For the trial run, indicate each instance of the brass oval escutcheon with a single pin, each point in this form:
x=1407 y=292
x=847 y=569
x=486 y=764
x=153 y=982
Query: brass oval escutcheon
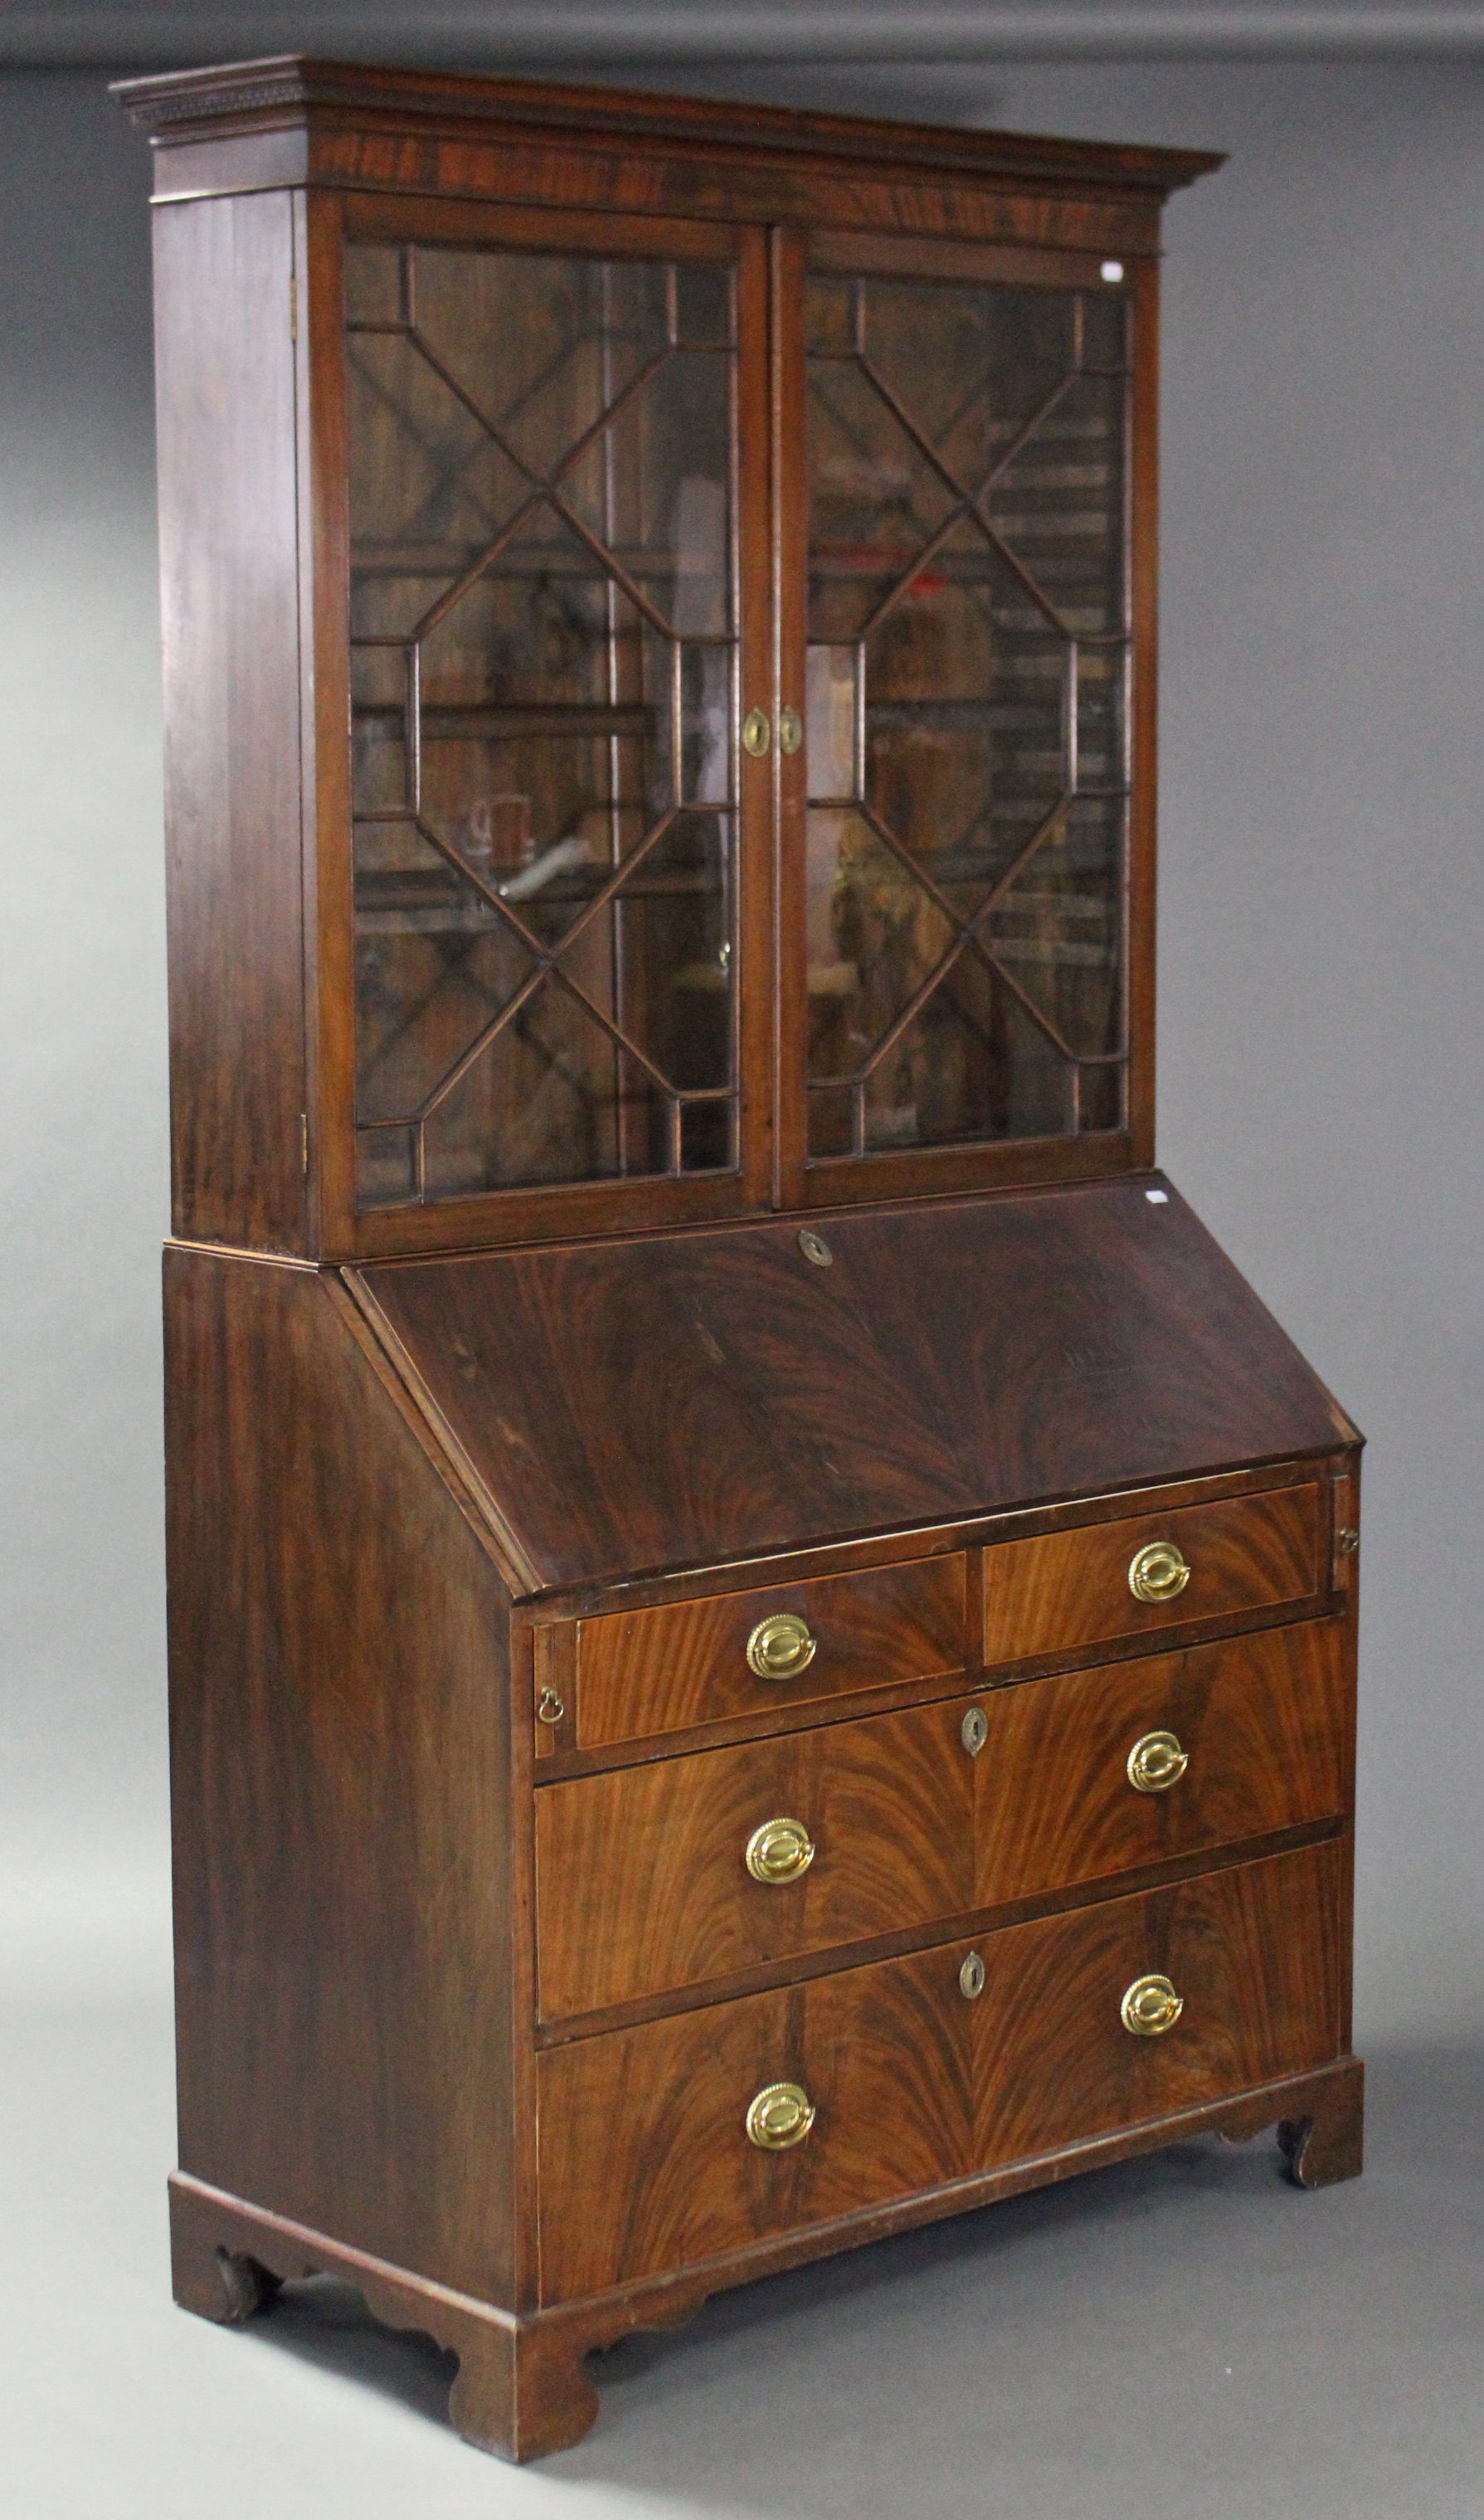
x=971 y=1978
x=549 y=1707
x=791 y=730
x=1159 y=1572
x=778 y=1851
x=757 y=733
x=781 y=2114
x=780 y=1647
x=1156 y=1762
x=974 y=1732
x=1151 y=2006
x=814 y=1247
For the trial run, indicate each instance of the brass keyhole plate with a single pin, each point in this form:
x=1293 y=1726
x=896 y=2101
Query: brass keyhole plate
x=974 y=1732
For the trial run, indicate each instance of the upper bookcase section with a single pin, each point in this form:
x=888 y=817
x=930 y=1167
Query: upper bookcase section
x=660 y=636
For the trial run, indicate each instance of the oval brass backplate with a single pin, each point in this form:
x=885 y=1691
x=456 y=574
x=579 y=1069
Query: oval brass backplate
x=1156 y=1762
x=814 y=1247
x=791 y=730
x=778 y=1851
x=1159 y=1572
x=780 y=1647
x=780 y=2115
x=971 y=1978
x=974 y=1732
x=757 y=734
x=1151 y=2006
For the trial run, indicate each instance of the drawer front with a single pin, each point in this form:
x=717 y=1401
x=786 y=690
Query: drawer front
x=644 y=2158
x=657 y=1671
x=1073 y=1588
x=642 y=1877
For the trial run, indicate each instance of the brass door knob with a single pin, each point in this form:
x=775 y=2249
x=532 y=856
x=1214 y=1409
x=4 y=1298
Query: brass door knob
x=1151 y=2006
x=1159 y=1572
x=780 y=1648
x=1156 y=1762
x=791 y=730
x=780 y=2115
x=757 y=733
x=778 y=1851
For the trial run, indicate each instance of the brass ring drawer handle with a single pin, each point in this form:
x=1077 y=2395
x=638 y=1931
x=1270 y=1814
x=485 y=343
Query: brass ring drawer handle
x=780 y=1647
x=1151 y=2006
x=1159 y=1572
x=781 y=2115
x=778 y=1851
x=1156 y=1762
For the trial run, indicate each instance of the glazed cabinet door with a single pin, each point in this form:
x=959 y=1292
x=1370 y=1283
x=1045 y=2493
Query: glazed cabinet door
x=537 y=968
x=968 y=629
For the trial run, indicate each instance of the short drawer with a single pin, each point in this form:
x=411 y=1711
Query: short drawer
x=645 y=2158
x=662 y=1876
x=745 y=1653
x=1110 y=1580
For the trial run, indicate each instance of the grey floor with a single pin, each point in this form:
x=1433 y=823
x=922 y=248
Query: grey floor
x=1182 y=2336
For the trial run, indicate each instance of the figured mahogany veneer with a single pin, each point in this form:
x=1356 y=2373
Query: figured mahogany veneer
x=657 y=1671
x=694 y=1400
x=1071 y=1587
x=912 y=2084
x=541 y=1320
x=907 y=1826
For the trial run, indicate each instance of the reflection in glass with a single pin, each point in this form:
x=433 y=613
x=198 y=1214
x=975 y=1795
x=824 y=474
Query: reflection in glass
x=967 y=712
x=543 y=630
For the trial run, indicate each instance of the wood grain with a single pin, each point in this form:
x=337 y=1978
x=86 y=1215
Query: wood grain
x=649 y=1404
x=655 y=1671
x=913 y=2086
x=909 y=1829
x=554 y=2401
x=229 y=601
x=1070 y=1589
x=666 y=1899
x=339 y=1768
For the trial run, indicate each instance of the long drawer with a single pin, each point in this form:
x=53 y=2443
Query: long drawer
x=1104 y=1582
x=890 y=1821
x=895 y=2080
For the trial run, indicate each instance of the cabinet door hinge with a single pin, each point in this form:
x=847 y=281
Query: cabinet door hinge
x=304 y=1144
x=293 y=310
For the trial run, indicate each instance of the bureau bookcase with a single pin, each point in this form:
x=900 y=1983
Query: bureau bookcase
x=762 y=1628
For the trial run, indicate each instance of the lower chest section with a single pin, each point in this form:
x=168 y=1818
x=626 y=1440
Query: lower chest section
x=849 y=1891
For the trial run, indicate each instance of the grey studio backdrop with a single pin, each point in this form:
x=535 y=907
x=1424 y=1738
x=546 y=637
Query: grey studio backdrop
x=1321 y=904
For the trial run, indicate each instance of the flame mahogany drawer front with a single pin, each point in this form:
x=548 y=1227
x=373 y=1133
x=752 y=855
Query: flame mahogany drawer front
x=913 y=2083
x=749 y=1653
x=733 y=1858
x=1104 y=1582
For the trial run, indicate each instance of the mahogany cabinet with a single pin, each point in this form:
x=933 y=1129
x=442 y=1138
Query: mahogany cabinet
x=762 y=1630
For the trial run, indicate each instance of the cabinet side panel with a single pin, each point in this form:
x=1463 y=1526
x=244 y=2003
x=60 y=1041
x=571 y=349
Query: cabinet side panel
x=341 y=1781
x=225 y=393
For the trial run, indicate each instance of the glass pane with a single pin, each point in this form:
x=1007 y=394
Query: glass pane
x=543 y=686
x=966 y=712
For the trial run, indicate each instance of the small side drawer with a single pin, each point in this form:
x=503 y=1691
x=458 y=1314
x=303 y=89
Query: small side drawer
x=890 y=1822
x=646 y=2162
x=658 y=1671
x=1074 y=1589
